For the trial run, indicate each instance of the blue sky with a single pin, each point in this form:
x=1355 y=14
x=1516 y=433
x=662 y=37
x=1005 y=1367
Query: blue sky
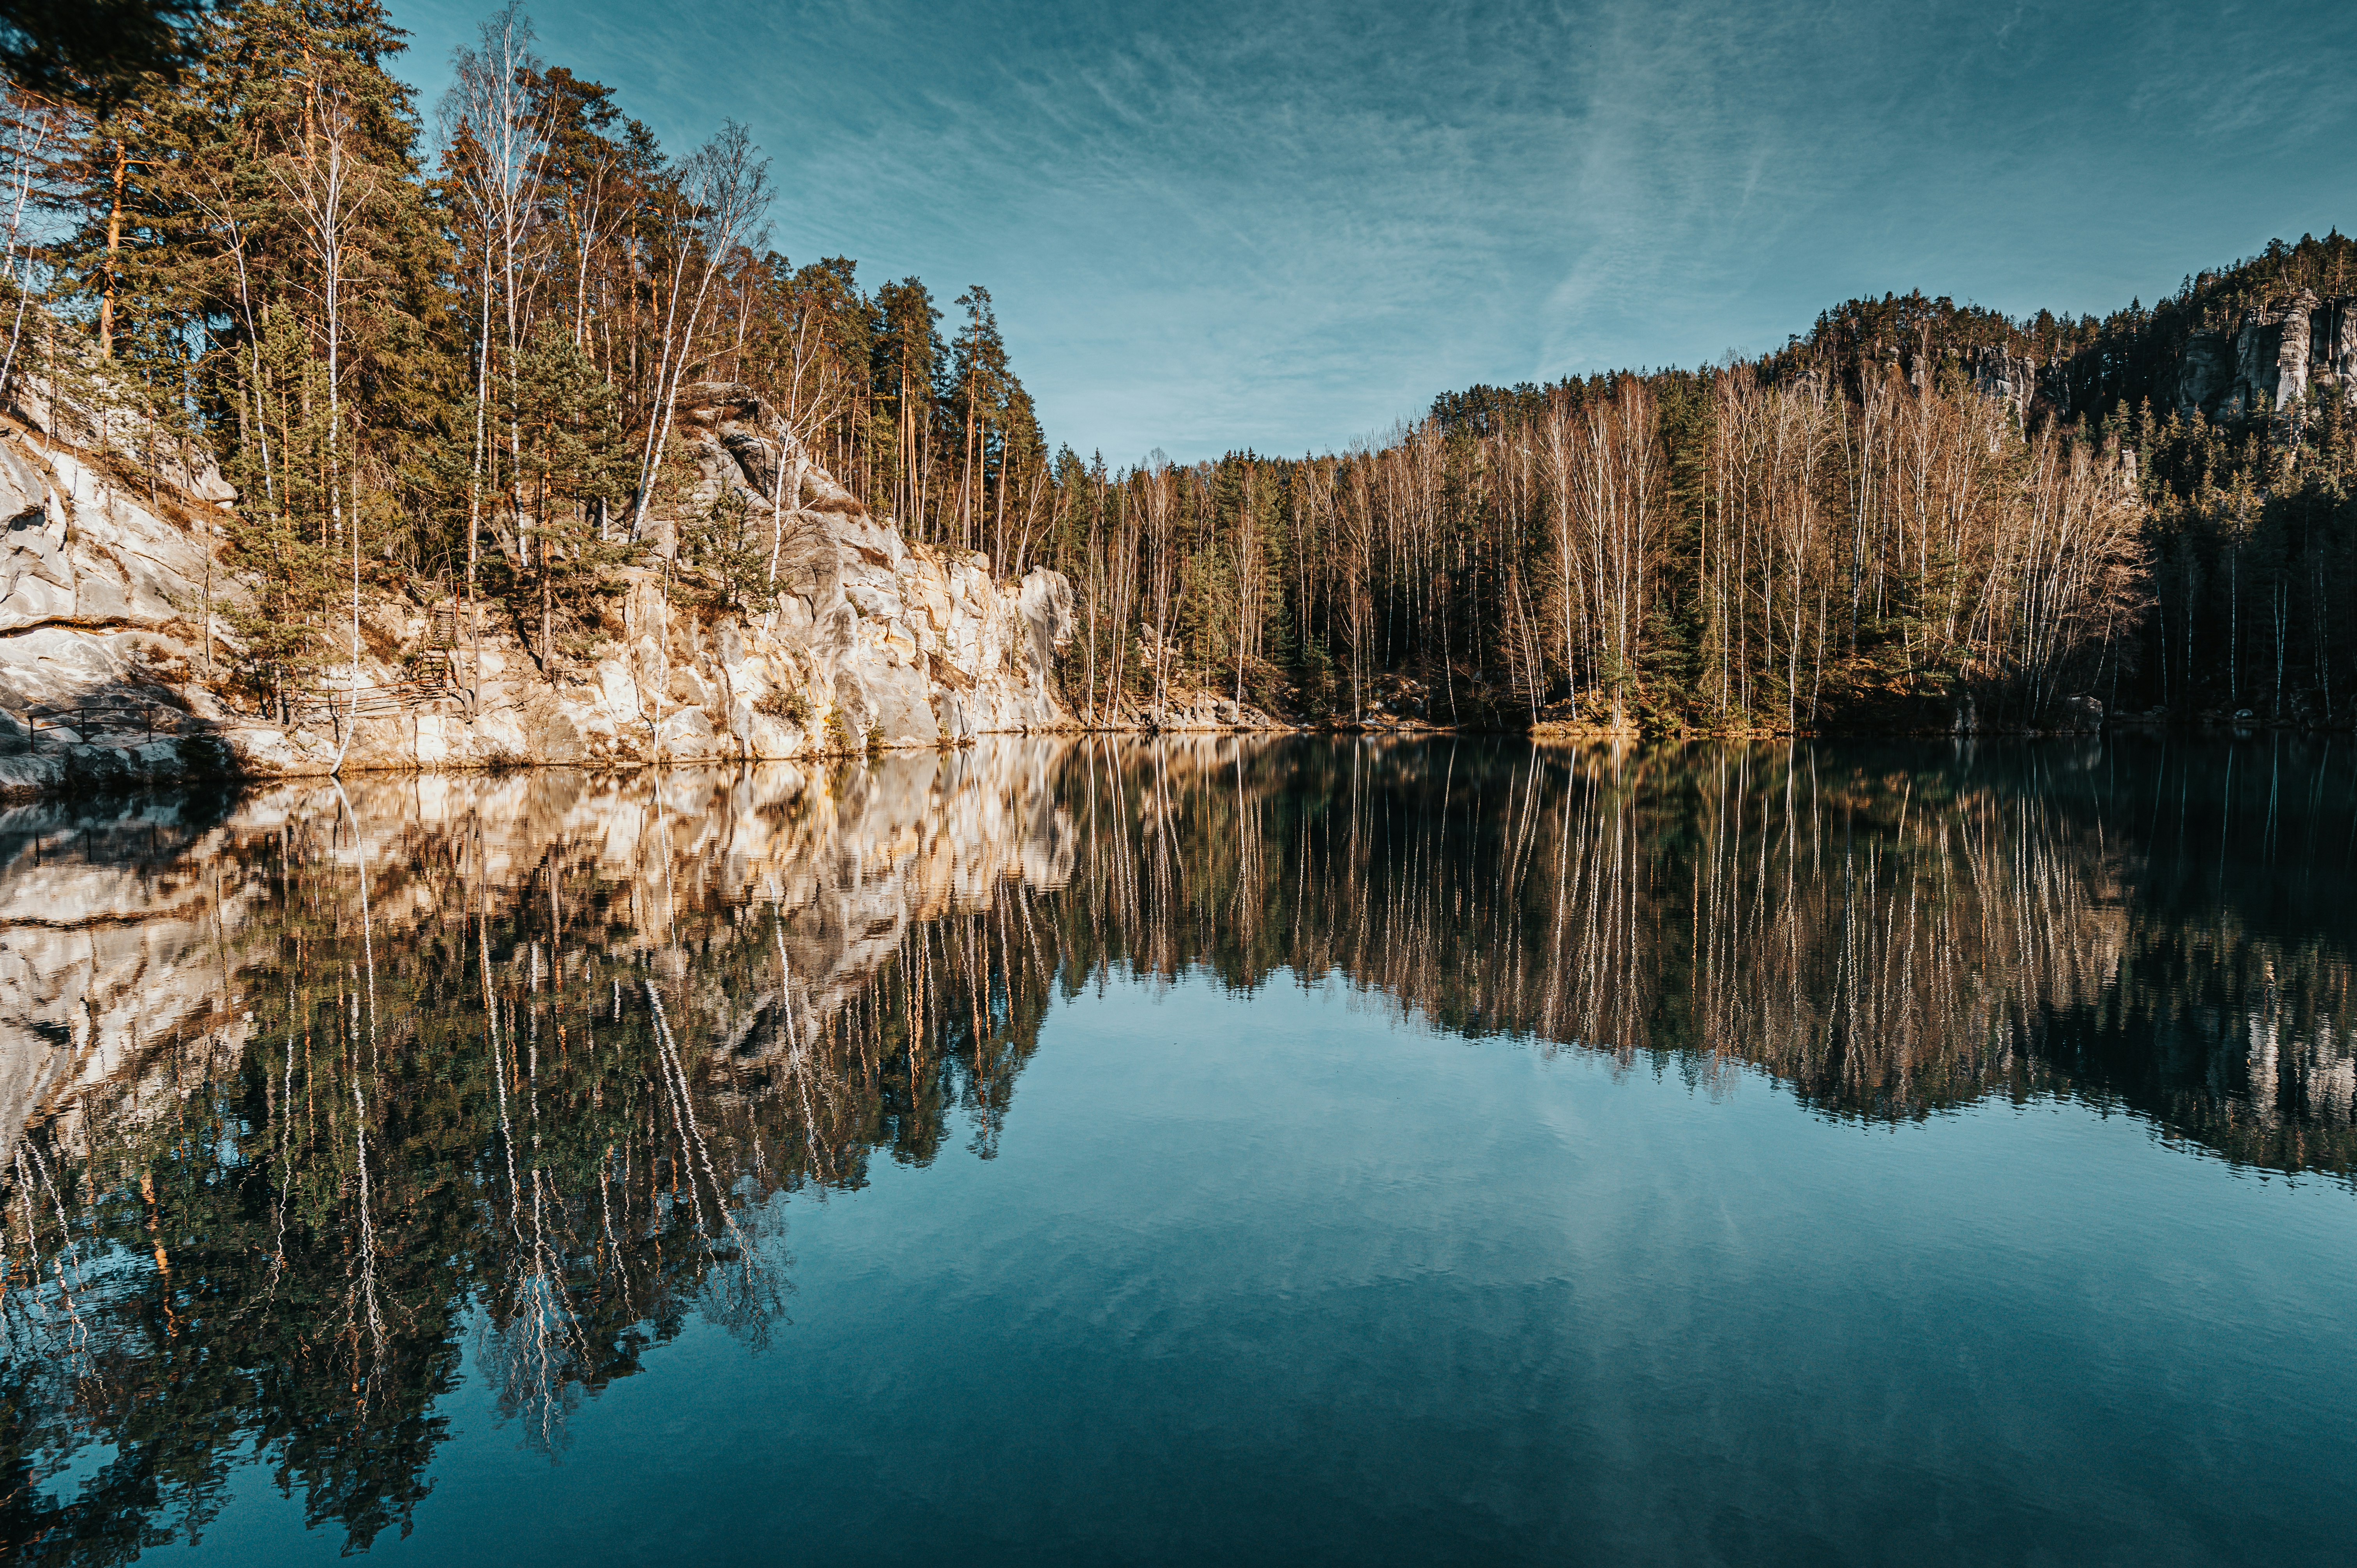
x=1285 y=226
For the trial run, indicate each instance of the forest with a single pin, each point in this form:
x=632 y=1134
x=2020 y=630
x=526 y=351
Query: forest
x=438 y=348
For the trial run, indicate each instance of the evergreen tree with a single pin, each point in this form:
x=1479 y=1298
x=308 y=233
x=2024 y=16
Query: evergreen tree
x=573 y=479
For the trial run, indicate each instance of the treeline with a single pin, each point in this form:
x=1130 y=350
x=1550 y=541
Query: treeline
x=1919 y=514
x=445 y=361
x=1723 y=549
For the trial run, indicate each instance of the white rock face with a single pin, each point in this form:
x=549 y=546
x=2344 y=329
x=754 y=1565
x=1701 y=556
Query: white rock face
x=2277 y=352
x=874 y=643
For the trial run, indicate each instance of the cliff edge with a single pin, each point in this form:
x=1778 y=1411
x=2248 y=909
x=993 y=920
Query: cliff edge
x=116 y=656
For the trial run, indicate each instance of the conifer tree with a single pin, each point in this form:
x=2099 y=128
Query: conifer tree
x=574 y=473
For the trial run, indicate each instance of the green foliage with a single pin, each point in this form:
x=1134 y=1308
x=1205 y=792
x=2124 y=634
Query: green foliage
x=571 y=472
x=96 y=52
x=504 y=333
x=2255 y=541
x=731 y=552
x=793 y=707
x=288 y=539
x=574 y=457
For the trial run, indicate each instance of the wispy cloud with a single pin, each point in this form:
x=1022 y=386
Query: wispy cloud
x=1285 y=226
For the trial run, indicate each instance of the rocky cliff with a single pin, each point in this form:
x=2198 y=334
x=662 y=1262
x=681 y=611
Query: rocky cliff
x=114 y=654
x=2273 y=357
x=2276 y=354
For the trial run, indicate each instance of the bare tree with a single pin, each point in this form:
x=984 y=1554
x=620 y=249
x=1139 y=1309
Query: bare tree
x=331 y=187
x=1157 y=495
x=495 y=144
x=715 y=205
x=28 y=127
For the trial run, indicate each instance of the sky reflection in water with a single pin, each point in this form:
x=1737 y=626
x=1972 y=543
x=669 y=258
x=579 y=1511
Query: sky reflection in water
x=1293 y=1152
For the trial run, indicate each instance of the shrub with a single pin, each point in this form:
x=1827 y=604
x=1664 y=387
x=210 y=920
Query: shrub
x=838 y=734
x=791 y=707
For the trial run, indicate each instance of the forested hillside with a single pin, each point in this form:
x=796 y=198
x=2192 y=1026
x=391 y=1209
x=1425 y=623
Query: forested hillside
x=439 y=348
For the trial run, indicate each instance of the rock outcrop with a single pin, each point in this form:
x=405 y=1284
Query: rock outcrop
x=113 y=649
x=2014 y=379
x=2274 y=357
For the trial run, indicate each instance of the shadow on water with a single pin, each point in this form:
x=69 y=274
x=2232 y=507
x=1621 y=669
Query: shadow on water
x=308 y=1093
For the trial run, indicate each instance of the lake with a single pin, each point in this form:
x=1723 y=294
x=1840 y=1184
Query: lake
x=1259 y=1150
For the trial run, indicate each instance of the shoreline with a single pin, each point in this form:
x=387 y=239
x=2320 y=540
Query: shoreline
x=95 y=768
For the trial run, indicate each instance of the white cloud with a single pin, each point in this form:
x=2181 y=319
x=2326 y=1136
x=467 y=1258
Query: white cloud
x=1284 y=227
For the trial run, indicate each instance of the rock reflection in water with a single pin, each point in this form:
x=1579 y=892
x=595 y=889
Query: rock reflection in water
x=310 y=1084
x=302 y=1091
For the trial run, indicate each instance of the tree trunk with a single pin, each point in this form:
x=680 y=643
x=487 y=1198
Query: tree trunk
x=114 y=247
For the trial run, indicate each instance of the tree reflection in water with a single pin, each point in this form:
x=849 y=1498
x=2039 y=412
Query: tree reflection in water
x=304 y=1090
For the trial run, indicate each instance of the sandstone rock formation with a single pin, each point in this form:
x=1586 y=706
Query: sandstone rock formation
x=2275 y=355
x=2013 y=380
x=100 y=594
x=112 y=648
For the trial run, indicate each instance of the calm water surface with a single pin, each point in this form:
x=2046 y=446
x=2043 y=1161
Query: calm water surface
x=1287 y=1153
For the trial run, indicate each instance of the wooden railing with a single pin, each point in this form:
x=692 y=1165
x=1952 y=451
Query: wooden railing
x=79 y=719
x=435 y=683
x=448 y=626
x=437 y=680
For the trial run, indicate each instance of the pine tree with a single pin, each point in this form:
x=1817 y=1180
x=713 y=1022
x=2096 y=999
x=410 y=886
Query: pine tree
x=574 y=476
